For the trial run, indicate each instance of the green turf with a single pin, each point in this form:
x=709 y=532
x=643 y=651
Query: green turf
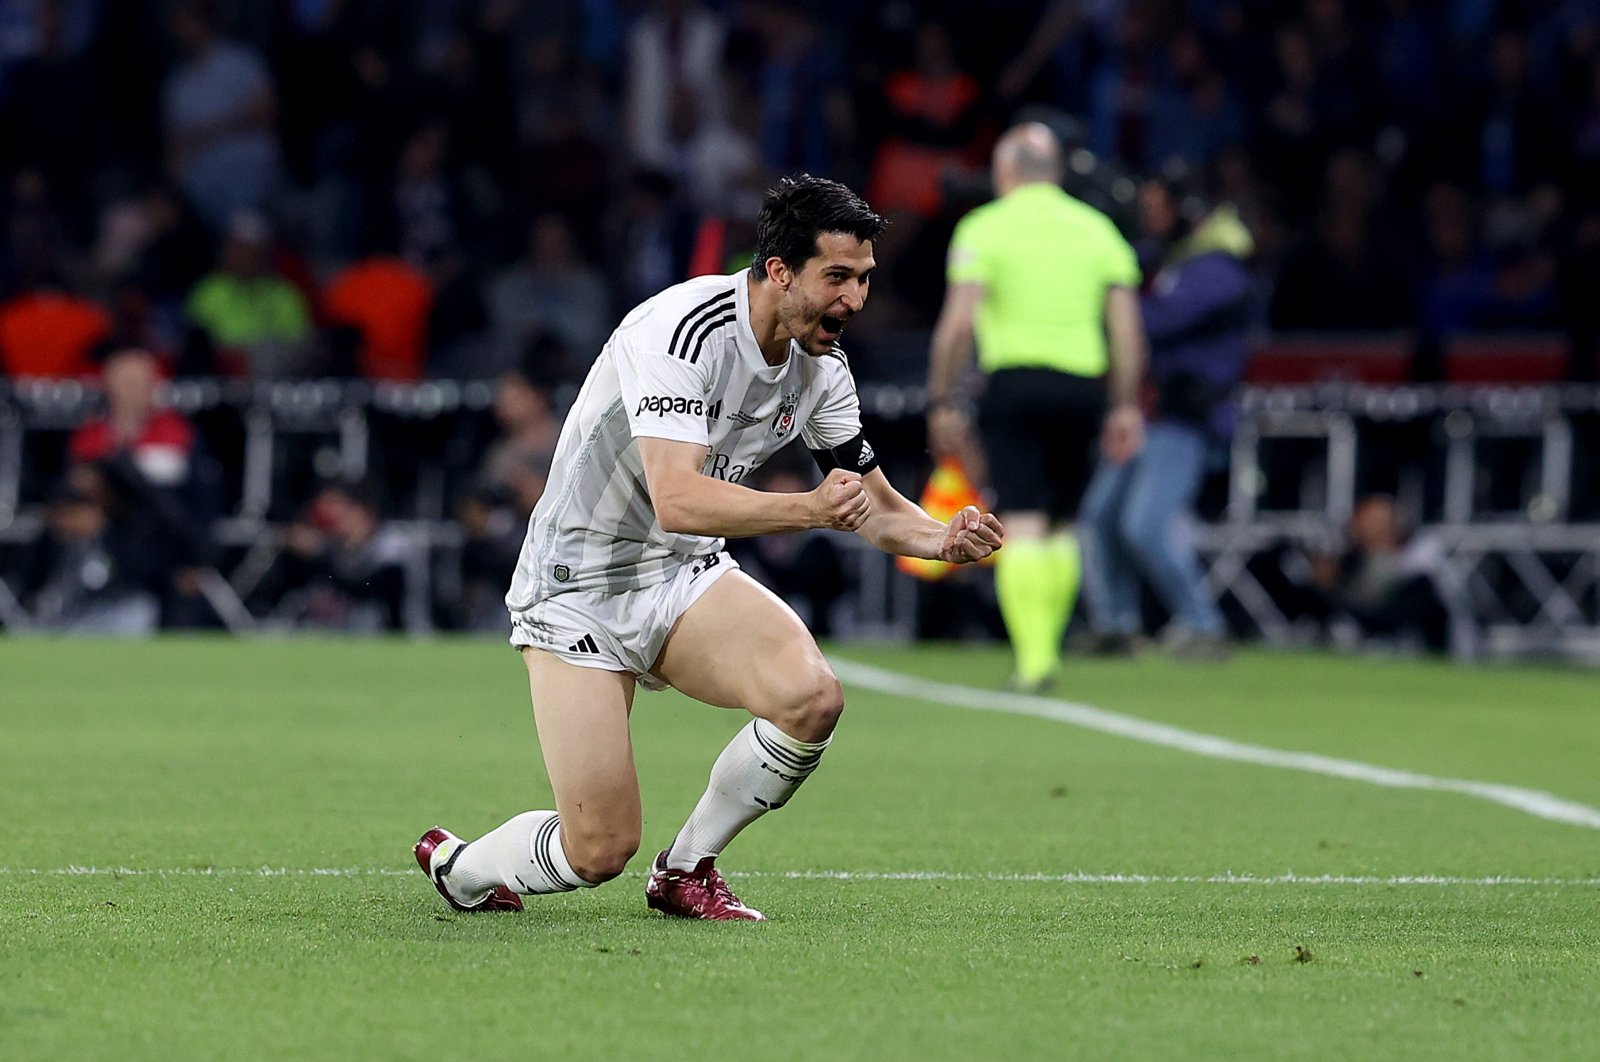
x=221 y=756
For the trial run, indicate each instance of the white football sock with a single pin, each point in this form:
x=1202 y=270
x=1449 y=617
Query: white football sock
x=757 y=773
x=524 y=855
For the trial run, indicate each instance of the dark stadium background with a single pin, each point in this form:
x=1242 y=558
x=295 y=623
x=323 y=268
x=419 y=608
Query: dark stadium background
x=450 y=192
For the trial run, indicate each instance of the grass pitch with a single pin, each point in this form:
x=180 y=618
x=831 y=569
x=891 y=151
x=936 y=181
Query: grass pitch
x=247 y=811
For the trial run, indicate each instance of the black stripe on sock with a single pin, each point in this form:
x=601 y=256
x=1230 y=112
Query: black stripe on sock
x=541 y=854
x=551 y=830
x=793 y=760
x=794 y=754
x=713 y=306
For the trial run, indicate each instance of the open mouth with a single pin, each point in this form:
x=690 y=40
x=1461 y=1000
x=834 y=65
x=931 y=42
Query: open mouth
x=830 y=328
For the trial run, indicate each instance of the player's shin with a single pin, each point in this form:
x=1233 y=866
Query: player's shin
x=758 y=772
x=525 y=855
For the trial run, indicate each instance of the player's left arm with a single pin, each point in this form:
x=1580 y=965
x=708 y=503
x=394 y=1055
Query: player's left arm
x=898 y=525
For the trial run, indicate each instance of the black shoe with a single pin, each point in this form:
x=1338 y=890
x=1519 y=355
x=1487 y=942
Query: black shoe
x=1184 y=643
x=1113 y=643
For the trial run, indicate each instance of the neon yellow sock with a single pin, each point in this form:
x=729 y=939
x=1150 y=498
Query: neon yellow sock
x=1066 y=559
x=1026 y=579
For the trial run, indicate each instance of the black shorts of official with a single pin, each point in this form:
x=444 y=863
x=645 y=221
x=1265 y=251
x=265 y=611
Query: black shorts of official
x=1041 y=432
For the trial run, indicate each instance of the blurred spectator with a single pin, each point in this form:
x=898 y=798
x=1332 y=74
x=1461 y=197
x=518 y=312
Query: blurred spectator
x=160 y=442
x=801 y=88
x=161 y=542
x=1504 y=138
x=386 y=302
x=35 y=243
x=673 y=48
x=651 y=237
x=81 y=577
x=161 y=489
x=550 y=290
x=516 y=465
x=1342 y=279
x=564 y=170
x=1468 y=286
x=1389 y=584
x=427 y=198
x=256 y=321
x=219 y=111
x=1196 y=312
x=1299 y=123
x=1194 y=116
x=57 y=125
x=491 y=531
x=47 y=332
x=930 y=126
x=342 y=568
x=1125 y=86
x=153 y=241
x=468 y=85
x=718 y=161
x=433 y=219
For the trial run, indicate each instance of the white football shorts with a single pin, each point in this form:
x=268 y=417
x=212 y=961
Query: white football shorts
x=617 y=632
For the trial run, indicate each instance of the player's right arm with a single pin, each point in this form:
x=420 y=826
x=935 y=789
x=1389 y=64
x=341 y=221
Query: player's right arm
x=689 y=502
x=1124 y=428
x=967 y=273
x=665 y=386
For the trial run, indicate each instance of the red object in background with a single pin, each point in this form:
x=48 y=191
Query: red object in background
x=1510 y=359
x=710 y=255
x=905 y=175
x=163 y=449
x=48 y=333
x=388 y=302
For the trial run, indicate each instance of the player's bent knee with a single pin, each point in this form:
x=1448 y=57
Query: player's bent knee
x=816 y=709
x=599 y=859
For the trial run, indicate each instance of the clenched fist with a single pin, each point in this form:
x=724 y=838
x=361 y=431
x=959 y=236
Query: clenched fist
x=971 y=536
x=841 y=501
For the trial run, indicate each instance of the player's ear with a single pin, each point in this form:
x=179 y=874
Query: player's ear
x=778 y=272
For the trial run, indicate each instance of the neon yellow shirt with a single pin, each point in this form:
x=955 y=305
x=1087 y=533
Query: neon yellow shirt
x=238 y=312
x=1045 y=261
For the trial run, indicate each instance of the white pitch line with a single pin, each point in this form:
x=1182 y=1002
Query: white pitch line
x=1076 y=877
x=1531 y=801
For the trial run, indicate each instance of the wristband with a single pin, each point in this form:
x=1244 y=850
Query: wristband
x=857 y=455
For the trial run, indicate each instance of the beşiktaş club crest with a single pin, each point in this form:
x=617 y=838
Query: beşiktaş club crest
x=783 y=420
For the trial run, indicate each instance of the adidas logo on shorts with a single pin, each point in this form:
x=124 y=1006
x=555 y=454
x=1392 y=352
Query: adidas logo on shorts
x=584 y=645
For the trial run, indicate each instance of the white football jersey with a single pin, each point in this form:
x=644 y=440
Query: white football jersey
x=683 y=365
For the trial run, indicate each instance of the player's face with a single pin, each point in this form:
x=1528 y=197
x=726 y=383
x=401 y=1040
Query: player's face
x=828 y=291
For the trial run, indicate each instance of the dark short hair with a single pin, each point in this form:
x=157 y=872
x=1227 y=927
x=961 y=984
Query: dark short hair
x=797 y=210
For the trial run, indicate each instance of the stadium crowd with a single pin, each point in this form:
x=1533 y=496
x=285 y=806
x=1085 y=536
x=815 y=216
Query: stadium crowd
x=477 y=189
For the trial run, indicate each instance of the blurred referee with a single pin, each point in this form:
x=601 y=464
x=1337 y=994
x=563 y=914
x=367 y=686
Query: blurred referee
x=1049 y=289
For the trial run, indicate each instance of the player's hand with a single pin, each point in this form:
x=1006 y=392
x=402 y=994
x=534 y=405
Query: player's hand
x=1123 y=435
x=841 y=502
x=971 y=536
x=948 y=431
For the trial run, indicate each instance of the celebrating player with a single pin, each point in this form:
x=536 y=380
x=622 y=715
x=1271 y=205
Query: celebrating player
x=622 y=580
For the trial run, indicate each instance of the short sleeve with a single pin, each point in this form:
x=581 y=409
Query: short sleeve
x=837 y=418
x=665 y=395
x=1122 y=262
x=967 y=262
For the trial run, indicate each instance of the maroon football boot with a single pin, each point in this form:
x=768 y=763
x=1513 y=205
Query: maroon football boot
x=498 y=898
x=697 y=893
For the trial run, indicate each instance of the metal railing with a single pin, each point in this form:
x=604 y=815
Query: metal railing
x=1525 y=553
